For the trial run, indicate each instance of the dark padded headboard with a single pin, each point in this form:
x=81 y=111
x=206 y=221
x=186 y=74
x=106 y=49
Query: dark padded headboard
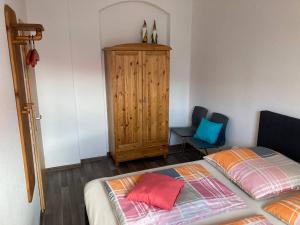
x=280 y=133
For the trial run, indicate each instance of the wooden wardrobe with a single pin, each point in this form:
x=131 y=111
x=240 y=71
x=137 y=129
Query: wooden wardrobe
x=137 y=85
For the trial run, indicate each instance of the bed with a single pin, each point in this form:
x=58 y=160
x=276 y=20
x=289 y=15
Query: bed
x=276 y=131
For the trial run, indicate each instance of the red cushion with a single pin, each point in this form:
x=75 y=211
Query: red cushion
x=156 y=189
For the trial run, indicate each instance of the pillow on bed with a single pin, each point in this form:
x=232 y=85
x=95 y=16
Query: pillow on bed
x=287 y=210
x=253 y=220
x=257 y=176
x=156 y=189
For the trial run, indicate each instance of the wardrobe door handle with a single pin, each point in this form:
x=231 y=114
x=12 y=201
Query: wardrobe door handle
x=39 y=118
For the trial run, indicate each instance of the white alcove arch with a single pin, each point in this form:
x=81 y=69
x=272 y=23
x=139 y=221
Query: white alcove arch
x=121 y=22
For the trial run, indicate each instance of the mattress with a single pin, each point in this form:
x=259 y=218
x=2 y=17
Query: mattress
x=99 y=210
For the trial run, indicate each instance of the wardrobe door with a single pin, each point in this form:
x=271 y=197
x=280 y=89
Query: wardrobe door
x=127 y=89
x=155 y=97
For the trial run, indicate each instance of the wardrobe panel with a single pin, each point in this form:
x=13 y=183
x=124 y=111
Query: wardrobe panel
x=156 y=97
x=128 y=102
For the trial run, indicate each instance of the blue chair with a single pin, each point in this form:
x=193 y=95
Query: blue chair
x=202 y=145
x=184 y=132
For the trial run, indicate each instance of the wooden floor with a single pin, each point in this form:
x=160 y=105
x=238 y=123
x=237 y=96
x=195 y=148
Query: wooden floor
x=65 y=204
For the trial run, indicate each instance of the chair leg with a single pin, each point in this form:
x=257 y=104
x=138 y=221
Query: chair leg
x=170 y=133
x=206 y=152
x=183 y=144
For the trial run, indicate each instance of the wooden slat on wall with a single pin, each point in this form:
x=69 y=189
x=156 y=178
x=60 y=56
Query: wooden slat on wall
x=36 y=134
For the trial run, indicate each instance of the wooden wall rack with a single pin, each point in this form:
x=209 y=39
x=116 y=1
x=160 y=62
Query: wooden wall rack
x=18 y=36
x=20 y=28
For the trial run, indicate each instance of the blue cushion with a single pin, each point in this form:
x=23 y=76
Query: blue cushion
x=208 y=131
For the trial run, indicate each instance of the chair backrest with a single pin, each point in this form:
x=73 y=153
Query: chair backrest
x=220 y=118
x=199 y=112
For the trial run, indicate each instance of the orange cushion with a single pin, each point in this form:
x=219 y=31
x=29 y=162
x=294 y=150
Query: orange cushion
x=287 y=210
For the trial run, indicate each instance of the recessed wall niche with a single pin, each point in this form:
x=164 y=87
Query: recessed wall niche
x=126 y=27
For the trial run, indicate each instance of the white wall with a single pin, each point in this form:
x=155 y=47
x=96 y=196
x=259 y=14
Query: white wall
x=14 y=207
x=70 y=76
x=245 y=58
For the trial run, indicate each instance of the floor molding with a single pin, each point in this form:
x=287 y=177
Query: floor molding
x=76 y=165
x=63 y=168
x=93 y=159
x=173 y=150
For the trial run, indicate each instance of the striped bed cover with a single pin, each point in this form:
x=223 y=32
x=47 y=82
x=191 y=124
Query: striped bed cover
x=202 y=196
x=251 y=220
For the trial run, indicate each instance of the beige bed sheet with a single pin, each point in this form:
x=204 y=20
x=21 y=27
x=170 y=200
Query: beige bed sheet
x=100 y=212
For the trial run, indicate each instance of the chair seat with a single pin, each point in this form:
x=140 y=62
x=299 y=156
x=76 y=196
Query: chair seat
x=184 y=131
x=200 y=144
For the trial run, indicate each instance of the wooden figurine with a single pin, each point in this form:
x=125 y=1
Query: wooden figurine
x=144 y=33
x=154 y=34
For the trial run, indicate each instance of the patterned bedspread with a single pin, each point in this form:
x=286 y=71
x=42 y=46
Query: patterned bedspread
x=202 y=196
x=252 y=220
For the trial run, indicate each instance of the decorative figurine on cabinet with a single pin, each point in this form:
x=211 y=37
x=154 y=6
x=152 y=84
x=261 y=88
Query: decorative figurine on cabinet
x=144 y=33
x=154 y=36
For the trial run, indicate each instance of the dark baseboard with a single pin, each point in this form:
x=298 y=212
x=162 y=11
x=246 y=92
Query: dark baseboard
x=171 y=147
x=60 y=168
x=173 y=150
x=74 y=166
x=94 y=159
